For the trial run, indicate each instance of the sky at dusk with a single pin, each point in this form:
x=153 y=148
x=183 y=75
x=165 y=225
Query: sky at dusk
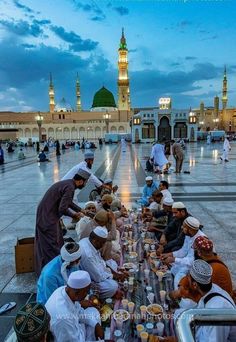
x=176 y=48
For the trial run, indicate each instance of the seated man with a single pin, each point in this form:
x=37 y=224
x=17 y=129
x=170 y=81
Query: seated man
x=21 y=154
x=73 y=318
x=92 y=262
x=162 y=218
x=148 y=189
x=182 y=259
x=42 y=157
x=89 y=213
x=204 y=249
x=57 y=271
x=31 y=324
x=164 y=188
x=85 y=228
x=172 y=238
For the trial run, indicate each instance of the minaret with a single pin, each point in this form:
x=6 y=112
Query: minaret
x=51 y=95
x=78 y=100
x=216 y=107
x=202 y=112
x=224 y=91
x=123 y=78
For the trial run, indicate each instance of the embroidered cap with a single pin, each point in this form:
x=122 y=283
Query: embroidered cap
x=101 y=232
x=148 y=178
x=201 y=271
x=31 y=322
x=192 y=222
x=178 y=205
x=79 y=280
x=203 y=244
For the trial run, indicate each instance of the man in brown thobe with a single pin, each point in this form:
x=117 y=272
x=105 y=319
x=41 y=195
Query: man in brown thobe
x=178 y=154
x=57 y=201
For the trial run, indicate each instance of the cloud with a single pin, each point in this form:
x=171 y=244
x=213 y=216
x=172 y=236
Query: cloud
x=27 y=70
x=121 y=10
x=92 y=8
x=77 y=43
x=29 y=46
x=22 y=27
x=190 y=58
x=26 y=9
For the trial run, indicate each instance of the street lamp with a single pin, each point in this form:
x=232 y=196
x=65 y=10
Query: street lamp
x=107 y=118
x=216 y=122
x=39 y=119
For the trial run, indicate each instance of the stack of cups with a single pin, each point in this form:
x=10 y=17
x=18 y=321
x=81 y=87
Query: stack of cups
x=160 y=328
x=140 y=328
x=119 y=323
x=162 y=296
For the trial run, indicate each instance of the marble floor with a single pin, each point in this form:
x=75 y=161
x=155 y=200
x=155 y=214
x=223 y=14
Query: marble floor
x=209 y=192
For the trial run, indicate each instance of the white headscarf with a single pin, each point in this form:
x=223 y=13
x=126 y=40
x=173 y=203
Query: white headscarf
x=68 y=257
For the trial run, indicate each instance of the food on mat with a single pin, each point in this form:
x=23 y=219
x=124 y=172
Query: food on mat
x=121 y=314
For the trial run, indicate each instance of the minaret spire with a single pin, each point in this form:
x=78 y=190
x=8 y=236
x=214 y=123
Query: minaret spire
x=123 y=78
x=225 y=90
x=78 y=99
x=51 y=95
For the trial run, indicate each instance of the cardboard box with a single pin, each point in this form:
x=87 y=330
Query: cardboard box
x=24 y=255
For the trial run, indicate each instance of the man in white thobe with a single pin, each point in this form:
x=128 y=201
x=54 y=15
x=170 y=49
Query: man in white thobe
x=212 y=297
x=158 y=156
x=84 y=165
x=226 y=149
x=73 y=319
x=182 y=259
x=95 y=265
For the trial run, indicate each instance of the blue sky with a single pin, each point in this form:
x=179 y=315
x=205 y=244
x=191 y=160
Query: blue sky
x=177 y=48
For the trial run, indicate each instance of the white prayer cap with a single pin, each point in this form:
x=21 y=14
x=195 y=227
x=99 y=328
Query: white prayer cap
x=89 y=203
x=101 y=232
x=70 y=251
x=192 y=222
x=89 y=155
x=168 y=201
x=201 y=271
x=178 y=205
x=148 y=178
x=79 y=280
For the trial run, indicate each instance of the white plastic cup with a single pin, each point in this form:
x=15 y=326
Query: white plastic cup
x=146 y=273
x=151 y=297
x=160 y=328
x=144 y=336
x=148 y=289
x=163 y=296
x=119 y=324
x=130 y=234
x=130 y=248
x=126 y=234
x=146 y=247
x=153 y=247
x=131 y=307
x=159 y=275
x=124 y=303
x=157 y=263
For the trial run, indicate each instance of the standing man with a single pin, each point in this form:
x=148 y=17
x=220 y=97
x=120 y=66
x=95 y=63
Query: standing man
x=87 y=166
x=1 y=155
x=178 y=154
x=226 y=149
x=57 y=201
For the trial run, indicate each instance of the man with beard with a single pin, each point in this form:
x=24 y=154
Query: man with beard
x=148 y=189
x=182 y=259
x=57 y=201
x=85 y=165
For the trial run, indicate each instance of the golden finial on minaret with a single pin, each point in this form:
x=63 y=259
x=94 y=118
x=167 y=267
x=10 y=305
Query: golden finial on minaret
x=123 y=78
x=51 y=95
x=78 y=99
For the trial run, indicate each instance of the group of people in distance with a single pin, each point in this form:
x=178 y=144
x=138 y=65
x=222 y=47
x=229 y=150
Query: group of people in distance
x=76 y=276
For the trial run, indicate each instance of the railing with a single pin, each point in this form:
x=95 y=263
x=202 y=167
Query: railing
x=202 y=317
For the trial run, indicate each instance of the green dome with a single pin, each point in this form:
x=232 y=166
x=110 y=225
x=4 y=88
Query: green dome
x=103 y=98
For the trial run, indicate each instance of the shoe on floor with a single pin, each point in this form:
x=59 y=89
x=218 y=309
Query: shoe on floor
x=226 y=160
x=6 y=307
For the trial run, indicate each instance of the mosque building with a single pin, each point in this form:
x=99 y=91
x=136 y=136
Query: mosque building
x=63 y=122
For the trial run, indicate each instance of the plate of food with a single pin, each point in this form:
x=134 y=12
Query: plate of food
x=155 y=310
x=121 y=314
x=129 y=265
x=105 y=312
x=149 y=241
x=133 y=254
x=153 y=255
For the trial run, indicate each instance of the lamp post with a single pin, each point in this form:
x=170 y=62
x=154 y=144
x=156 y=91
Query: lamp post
x=39 y=119
x=216 y=122
x=107 y=118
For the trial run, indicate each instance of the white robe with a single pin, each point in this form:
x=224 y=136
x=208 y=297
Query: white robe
x=83 y=165
x=69 y=321
x=92 y=262
x=123 y=145
x=158 y=155
x=184 y=258
x=216 y=333
x=81 y=226
x=226 y=149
